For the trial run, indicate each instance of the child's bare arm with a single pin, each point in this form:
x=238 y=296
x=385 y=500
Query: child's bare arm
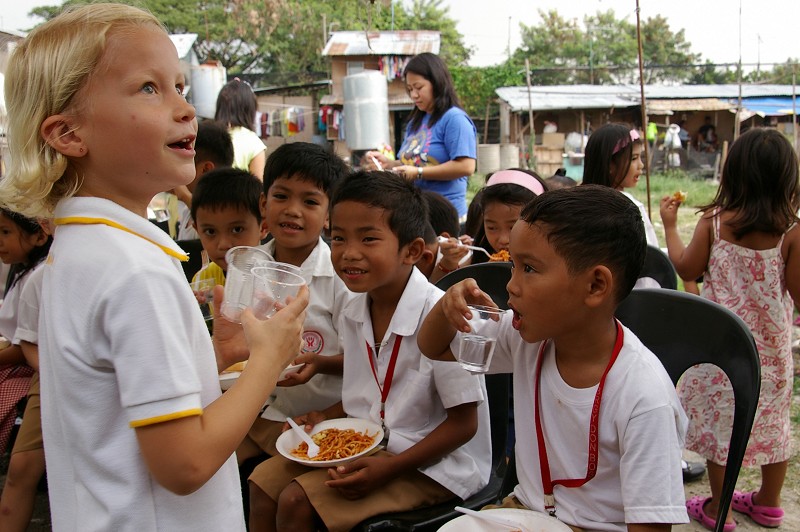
x=11 y=355
x=357 y=478
x=183 y=454
x=314 y=364
x=791 y=245
x=447 y=317
x=689 y=261
x=31 y=353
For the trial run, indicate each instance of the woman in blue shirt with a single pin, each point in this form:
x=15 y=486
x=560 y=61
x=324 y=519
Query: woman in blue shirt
x=440 y=145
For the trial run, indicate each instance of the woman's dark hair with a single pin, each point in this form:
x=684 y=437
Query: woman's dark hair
x=609 y=144
x=36 y=254
x=433 y=69
x=759 y=183
x=237 y=105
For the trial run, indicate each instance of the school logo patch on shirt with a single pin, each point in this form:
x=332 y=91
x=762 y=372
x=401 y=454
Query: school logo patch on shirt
x=312 y=342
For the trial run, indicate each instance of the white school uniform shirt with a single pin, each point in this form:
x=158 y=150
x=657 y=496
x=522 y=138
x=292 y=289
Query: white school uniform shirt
x=28 y=308
x=649 y=230
x=641 y=430
x=328 y=294
x=420 y=391
x=123 y=342
x=9 y=309
x=186 y=230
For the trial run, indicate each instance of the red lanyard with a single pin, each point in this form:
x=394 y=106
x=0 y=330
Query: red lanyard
x=594 y=422
x=387 y=381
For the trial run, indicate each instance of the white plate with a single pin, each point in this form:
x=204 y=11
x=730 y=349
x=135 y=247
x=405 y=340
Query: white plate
x=532 y=521
x=292 y=368
x=288 y=440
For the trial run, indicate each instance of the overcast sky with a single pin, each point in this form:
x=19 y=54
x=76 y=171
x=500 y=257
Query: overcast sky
x=711 y=26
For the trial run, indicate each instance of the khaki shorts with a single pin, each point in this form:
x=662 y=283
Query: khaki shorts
x=264 y=433
x=409 y=491
x=29 y=437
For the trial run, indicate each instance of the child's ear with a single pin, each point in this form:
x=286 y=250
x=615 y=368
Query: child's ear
x=206 y=166
x=427 y=261
x=62 y=135
x=600 y=286
x=262 y=205
x=414 y=251
x=264 y=228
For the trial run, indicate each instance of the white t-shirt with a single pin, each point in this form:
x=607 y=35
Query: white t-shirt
x=641 y=433
x=186 y=230
x=649 y=230
x=122 y=342
x=9 y=309
x=420 y=391
x=246 y=145
x=28 y=307
x=328 y=294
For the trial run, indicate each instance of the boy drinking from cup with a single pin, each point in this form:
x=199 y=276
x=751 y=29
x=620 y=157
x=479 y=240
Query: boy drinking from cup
x=579 y=375
x=434 y=413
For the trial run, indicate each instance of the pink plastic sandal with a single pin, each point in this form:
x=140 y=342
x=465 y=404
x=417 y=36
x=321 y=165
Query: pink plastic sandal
x=768 y=516
x=695 y=507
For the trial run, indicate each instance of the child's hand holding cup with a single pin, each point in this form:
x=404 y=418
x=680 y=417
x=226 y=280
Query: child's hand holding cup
x=273 y=284
x=239 y=279
x=476 y=347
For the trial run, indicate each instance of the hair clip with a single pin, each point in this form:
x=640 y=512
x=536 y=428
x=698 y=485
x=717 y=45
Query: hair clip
x=624 y=141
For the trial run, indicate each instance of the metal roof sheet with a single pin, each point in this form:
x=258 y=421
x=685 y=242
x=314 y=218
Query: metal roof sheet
x=183 y=42
x=683 y=97
x=382 y=42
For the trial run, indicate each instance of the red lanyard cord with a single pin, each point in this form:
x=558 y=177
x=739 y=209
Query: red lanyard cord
x=387 y=381
x=594 y=423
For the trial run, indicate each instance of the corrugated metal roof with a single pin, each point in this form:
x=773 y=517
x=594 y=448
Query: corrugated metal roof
x=658 y=107
x=382 y=43
x=555 y=97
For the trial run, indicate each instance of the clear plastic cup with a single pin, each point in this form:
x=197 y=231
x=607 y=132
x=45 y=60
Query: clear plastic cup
x=477 y=346
x=273 y=284
x=204 y=293
x=239 y=279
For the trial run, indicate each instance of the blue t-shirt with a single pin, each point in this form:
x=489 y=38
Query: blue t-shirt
x=453 y=136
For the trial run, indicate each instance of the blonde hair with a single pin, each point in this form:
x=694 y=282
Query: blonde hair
x=44 y=73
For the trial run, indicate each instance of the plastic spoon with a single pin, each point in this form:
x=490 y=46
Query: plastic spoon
x=443 y=239
x=313 y=448
x=494 y=519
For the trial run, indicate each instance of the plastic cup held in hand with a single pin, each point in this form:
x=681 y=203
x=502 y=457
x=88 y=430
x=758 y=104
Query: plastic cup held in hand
x=204 y=293
x=477 y=346
x=239 y=279
x=273 y=284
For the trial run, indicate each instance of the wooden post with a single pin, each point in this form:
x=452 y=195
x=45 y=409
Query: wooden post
x=486 y=123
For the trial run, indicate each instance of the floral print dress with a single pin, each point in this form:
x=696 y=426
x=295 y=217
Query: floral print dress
x=751 y=283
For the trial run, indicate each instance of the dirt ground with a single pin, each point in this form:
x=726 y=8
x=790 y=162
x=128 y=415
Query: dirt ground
x=748 y=481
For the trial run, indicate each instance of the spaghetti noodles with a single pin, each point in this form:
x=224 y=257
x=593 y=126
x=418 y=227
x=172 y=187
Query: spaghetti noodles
x=335 y=444
x=500 y=256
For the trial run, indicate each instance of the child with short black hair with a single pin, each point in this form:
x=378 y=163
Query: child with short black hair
x=298 y=178
x=226 y=209
x=435 y=413
x=213 y=149
x=577 y=371
x=136 y=433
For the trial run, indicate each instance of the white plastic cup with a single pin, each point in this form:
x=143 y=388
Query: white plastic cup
x=273 y=284
x=239 y=279
x=477 y=346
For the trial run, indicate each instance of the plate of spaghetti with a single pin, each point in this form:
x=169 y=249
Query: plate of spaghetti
x=340 y=441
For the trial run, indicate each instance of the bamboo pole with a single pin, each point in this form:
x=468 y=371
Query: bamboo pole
x=643 y=107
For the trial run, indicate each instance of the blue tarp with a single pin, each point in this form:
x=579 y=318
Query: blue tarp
x=772 y=106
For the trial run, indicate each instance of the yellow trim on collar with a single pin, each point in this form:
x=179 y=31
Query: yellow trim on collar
x=86 y=220
x=166 y=417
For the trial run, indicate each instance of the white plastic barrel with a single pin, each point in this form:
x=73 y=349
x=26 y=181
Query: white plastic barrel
x=509 y=156
x=366 y=110
x=488 y=158
x=207 y=80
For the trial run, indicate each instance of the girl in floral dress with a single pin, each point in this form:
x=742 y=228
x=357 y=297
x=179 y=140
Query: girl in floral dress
x=747 y=248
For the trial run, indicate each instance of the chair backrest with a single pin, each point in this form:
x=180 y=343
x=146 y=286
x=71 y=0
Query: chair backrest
x=492 y=278
x=658 y=267
x=683 y=330
x=194 y=249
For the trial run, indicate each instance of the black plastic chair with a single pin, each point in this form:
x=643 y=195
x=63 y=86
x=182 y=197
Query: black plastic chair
x=683 y=330
x=658 y=267
x=492 y=278
x=433 y=517
x=194 y=249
